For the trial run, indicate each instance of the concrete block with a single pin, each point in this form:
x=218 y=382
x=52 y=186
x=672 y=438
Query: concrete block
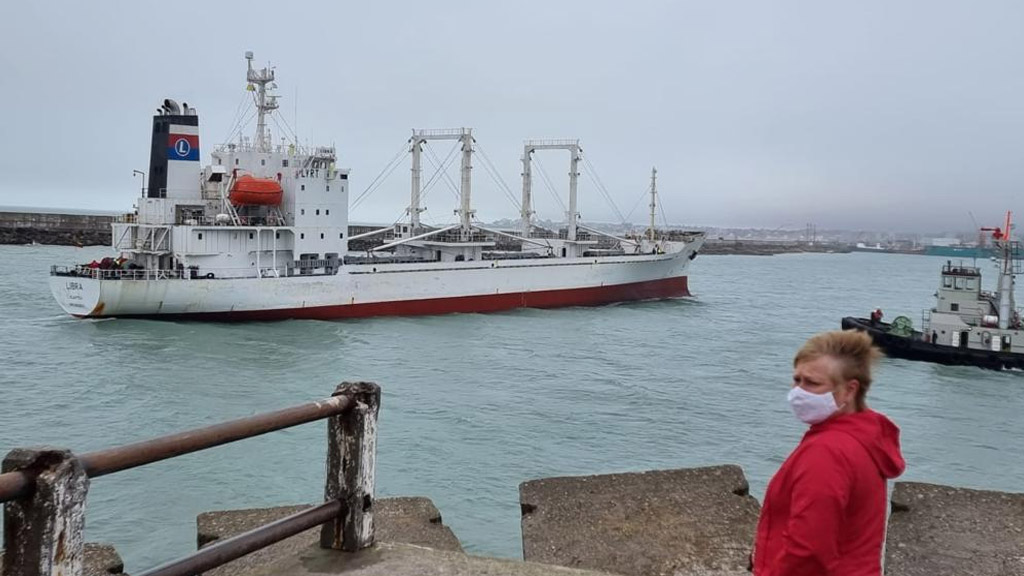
x=689 y=521
x=394 y=559
x=407 y=520
x=100 y=560
x=937 y=530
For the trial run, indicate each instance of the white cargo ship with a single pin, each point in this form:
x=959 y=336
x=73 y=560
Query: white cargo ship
x=261 y=233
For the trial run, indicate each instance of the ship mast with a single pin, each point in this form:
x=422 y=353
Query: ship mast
x=1004 y=242
x=1006 y=306
x=654 y=201
x=465 y=211
x=265 y=103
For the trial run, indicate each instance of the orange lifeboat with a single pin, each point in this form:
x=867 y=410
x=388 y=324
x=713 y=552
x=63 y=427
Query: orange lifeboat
x=255 y=191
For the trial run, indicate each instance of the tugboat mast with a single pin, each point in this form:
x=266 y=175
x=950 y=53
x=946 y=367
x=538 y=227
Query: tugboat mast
x=1003 y=240
x=265 y=103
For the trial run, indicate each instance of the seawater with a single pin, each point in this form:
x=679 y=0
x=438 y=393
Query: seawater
x=475 y=404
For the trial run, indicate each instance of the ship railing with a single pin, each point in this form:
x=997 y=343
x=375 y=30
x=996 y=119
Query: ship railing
x=190 y=273
x=45 y=488
x=162 y=192
x=441 y=132
x=553 y=142
x=322 y=152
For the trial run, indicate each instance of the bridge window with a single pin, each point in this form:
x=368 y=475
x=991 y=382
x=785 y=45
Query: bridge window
x=971 y=283
x=958 y=284
x=947 y=282
x=343 y=177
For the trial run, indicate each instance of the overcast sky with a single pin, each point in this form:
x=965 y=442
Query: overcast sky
x=868 y=114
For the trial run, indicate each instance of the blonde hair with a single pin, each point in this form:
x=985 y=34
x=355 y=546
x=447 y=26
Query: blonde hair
x=853 y=349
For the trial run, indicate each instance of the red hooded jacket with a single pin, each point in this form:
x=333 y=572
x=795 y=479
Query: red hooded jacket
x=824 y=510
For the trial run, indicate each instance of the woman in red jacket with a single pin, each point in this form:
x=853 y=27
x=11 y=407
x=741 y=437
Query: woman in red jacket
x=825 y=509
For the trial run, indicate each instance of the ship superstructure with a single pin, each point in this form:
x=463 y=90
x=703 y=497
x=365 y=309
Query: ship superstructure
x=262 y=233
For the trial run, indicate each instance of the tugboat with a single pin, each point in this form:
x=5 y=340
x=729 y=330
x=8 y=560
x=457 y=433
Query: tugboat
x=968 y=326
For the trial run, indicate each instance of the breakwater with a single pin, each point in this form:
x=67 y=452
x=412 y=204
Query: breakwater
x=770 y=247
x=55 y=228
x=94 y=230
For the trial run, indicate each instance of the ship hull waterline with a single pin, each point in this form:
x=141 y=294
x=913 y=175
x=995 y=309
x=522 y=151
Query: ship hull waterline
x=364 y=291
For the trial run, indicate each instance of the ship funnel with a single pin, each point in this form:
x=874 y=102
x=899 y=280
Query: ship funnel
x=174 y=152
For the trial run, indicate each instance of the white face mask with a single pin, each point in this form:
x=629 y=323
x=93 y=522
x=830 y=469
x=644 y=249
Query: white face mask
x=811 y=408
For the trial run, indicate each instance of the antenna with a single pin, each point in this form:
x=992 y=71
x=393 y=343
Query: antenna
x=260 y=81
x=654 y=199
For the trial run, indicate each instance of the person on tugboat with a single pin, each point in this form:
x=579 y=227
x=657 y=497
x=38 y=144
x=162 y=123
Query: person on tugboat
x=876 y=316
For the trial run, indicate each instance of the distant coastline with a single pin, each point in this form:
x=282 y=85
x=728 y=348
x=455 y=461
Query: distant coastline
x=770 y=247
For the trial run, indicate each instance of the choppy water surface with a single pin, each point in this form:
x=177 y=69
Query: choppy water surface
x=475 y=404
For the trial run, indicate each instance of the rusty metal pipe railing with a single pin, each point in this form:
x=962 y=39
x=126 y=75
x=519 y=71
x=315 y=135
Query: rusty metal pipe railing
x=221 y=553
x=15 y=485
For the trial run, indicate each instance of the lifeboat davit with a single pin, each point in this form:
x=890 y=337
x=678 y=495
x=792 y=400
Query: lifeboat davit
x=255 y=191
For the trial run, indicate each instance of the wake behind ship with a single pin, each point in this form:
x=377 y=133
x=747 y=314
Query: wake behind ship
x=261 y=233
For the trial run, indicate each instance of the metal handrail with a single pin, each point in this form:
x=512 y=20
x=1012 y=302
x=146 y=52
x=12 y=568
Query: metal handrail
x=84 y=271
x=15 y=485
x=233 y=548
